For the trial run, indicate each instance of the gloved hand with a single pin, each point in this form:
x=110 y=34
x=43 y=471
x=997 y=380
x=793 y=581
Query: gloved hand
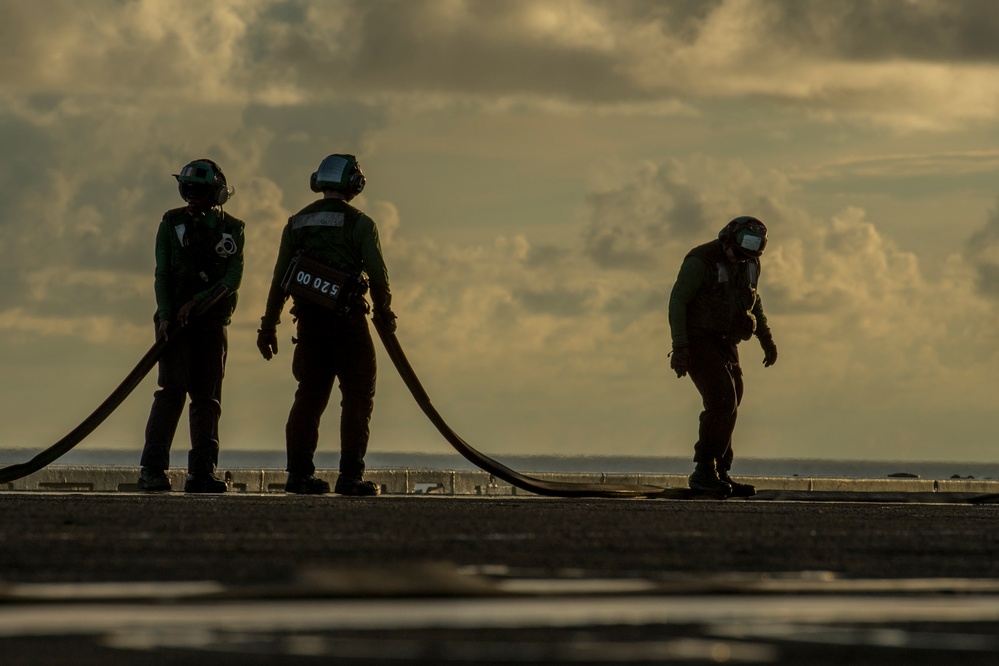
x=384 y=319
x=381 y=308
x=267 y=342
x=679 y=359
x=769 y=350
x=162 y=330
x=184 y=314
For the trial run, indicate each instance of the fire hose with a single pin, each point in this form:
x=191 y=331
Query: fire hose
x=112 y=402
x=391 y=342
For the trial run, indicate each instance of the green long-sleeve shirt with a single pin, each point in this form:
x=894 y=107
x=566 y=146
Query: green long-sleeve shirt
x=336 y=234
x=190 y=263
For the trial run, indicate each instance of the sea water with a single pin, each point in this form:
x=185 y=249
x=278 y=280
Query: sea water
x=782 y=467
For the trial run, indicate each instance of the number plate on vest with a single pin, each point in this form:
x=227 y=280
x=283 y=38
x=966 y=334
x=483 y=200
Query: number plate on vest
x=317 y=283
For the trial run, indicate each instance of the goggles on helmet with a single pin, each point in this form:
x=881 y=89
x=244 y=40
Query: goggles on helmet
x=747 y=237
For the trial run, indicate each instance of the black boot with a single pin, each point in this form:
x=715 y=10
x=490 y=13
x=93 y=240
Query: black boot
x=705 y=480
x=353 y=485
x=205 y=482
x=738 y=489
x=153 y=480
x=306 y=485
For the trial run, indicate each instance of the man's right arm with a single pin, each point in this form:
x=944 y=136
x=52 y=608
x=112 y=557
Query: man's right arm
x=165 y=307
x=276 y=296
x=693 y=273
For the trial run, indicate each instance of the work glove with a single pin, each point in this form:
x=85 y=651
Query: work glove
x=769 y=350
x=267 y=342
x=384 y=319
x=184 y=314
x=162 y=330
x=679 y=359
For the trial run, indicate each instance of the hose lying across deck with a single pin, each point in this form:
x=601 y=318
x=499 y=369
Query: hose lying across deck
x=482 y=461
x=394 y=349
x=111 y=403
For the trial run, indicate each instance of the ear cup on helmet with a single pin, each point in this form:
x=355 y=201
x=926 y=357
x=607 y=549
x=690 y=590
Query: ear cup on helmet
x=222 y=189
x=357 y=180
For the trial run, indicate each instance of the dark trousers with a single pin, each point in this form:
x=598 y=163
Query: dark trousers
x=193 y=364
x=331 y=347
x=714 y=367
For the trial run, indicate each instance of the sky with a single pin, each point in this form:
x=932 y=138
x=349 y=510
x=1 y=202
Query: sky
x=537 y=170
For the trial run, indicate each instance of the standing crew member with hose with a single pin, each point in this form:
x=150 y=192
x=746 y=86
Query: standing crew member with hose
x=713 y=306
x=329 y=255
x=199 y=255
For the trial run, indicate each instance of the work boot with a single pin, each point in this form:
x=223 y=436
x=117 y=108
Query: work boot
x=705 y=480
x=306 y=485
x=153 y=480
x=204 y=483
x=738 y=489
x=353 y=485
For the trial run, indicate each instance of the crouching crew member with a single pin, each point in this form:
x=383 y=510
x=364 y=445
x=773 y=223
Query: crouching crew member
x=714 y=305
x=329 y=255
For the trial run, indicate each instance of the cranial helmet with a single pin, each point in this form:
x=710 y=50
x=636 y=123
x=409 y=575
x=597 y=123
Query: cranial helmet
x=203 y=180
x=341 y=173
x=746 y=235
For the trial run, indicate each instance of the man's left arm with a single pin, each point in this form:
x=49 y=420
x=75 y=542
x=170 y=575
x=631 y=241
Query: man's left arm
x=378 y=279
x=764 y=334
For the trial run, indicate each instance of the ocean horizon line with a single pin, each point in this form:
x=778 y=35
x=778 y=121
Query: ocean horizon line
x=614 y=464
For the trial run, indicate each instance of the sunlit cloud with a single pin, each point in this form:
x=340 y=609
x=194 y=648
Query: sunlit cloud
x=526 y=267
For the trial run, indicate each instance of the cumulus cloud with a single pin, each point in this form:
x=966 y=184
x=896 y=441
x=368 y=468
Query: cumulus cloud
x=983 y=253
x=102 y=101
x=595 y=54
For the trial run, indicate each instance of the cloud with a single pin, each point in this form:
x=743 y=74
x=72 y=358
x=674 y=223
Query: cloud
x=982 y=251
x=934 y=69
x=921 y=30
x=542 y=167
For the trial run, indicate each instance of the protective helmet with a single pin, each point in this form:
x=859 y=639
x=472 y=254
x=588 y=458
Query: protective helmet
x=203 y=180
x=746 y=235
x=341 y=173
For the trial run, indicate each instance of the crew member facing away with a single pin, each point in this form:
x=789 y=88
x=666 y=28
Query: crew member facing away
x=329 y=255
x=199 y=258
x=714 y=305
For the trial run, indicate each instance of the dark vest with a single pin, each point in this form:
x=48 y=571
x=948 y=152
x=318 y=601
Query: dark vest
x=323 y=231
x=197 y=263
x=723 y=305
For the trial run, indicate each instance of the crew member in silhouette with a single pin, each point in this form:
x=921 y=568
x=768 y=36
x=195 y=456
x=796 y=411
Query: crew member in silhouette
x=199 y=254
x=714 y=305
x=329 y=255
